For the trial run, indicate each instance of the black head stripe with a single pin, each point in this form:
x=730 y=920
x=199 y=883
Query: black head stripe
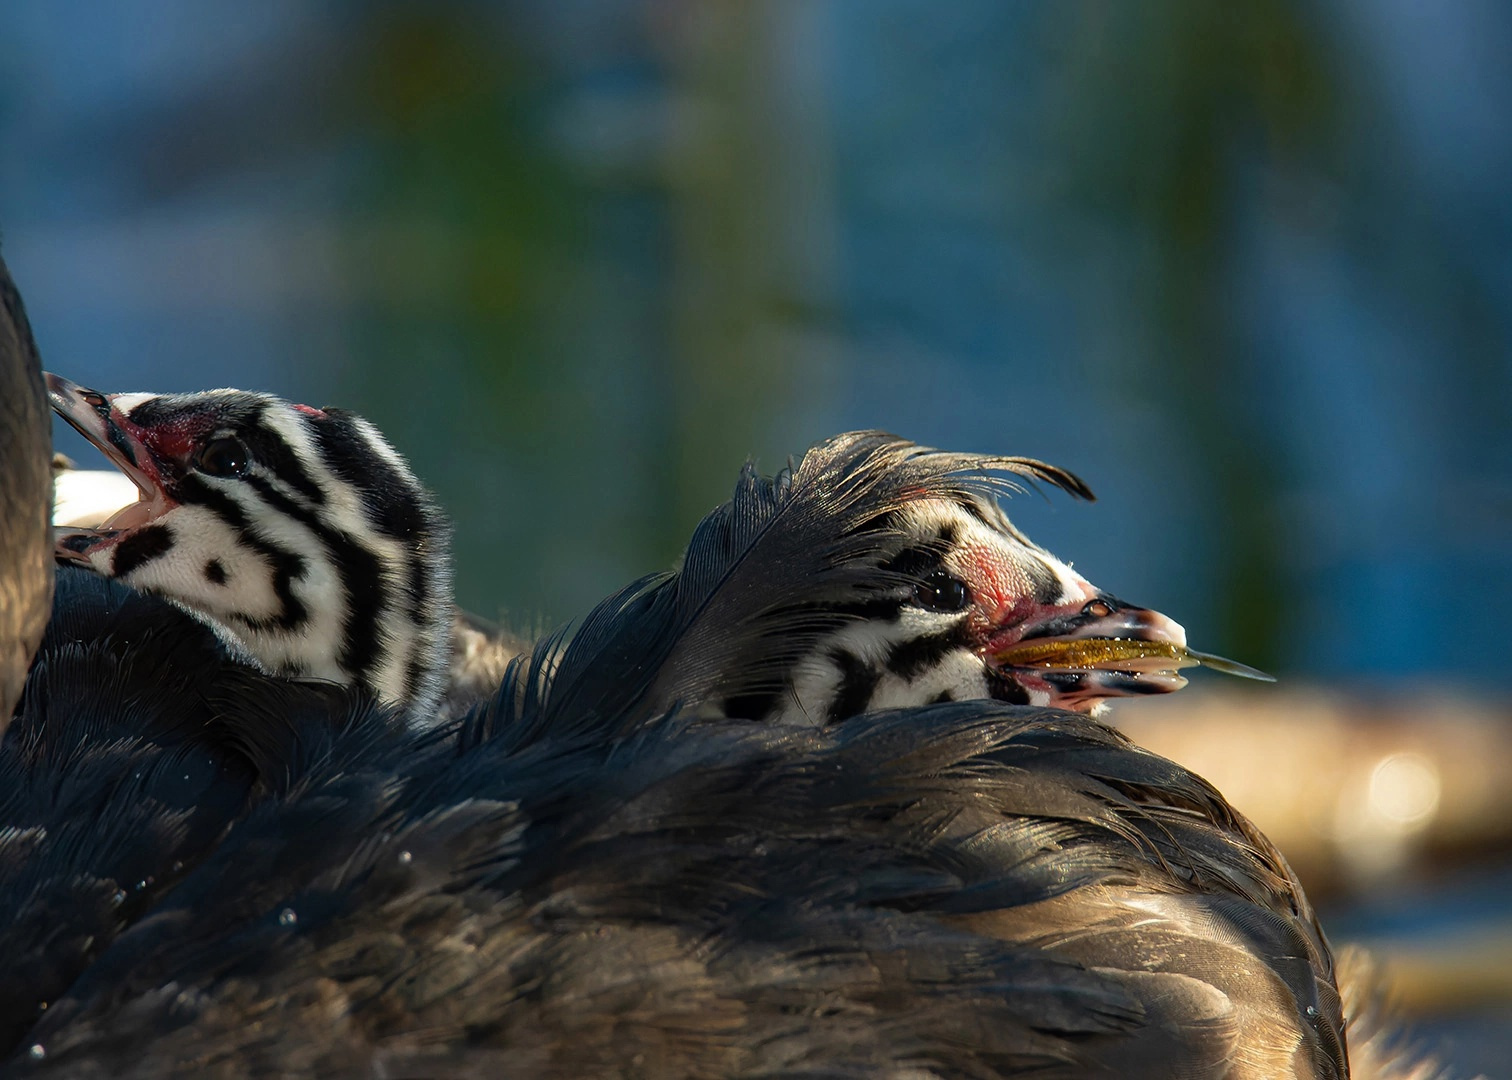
x=414 y=676
x=419 y=582
x=158 y=409
x=140 y=548
x=916 y=655
x=361 y=578
x=278 y=457
x=858 y=681
x=915 y=562
x=288 y=566
x=397 y=508
x=392 y=501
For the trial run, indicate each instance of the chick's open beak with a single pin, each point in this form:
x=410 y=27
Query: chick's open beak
x=95 y=416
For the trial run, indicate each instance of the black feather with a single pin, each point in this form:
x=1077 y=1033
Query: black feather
x=969 y=889
x=114 y=778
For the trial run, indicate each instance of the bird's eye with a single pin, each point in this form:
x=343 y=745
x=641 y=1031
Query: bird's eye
x=940 y=591
x=222 y=457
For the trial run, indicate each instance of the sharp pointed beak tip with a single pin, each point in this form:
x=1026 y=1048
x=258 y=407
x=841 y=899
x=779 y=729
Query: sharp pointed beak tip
x=1230 y=667
x=71 y=401
x=60 y=389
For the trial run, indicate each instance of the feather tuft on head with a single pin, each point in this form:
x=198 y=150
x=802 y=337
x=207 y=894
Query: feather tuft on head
x=764 y=578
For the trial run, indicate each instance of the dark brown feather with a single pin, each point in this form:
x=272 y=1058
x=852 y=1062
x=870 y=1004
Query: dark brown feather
x=963 y=890
x=25 y=497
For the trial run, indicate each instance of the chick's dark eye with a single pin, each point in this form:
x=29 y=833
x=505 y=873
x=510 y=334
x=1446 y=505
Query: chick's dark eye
x=941 y=592
x=222 y=457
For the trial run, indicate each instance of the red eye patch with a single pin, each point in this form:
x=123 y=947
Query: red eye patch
x=176 y=439
x=1003 y=590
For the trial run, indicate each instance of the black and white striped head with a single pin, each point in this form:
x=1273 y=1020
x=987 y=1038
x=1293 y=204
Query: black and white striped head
x=297 y=533
x=872 y=574
x=956 y=594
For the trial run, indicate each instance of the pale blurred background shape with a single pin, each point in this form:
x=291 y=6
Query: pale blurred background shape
x=1245 y=267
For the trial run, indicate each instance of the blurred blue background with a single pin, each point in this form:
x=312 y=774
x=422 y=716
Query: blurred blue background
x=1247 y=268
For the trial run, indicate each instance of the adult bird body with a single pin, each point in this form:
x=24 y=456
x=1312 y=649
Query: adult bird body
x=680 y=841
